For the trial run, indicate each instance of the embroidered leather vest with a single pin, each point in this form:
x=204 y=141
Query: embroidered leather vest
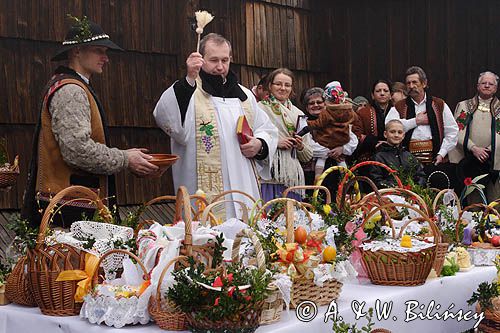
x=54 y=174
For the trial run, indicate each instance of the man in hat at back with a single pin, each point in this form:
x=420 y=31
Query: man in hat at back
x=70 y=144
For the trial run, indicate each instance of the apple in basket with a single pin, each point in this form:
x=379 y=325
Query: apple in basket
x=495 y=241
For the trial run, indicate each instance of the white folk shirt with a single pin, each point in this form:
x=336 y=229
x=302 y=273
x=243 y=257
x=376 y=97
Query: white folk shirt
x=237 y=170
x=423 y=132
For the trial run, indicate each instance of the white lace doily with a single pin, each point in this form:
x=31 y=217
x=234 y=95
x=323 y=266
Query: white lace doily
x=116 y=312
x=105 y=235
x=391 y=244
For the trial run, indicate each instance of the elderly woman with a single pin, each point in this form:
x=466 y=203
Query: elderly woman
x=292 y=149
x=314 y=100
x=370 y=125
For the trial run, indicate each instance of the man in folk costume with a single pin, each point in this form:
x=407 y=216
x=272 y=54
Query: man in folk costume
x=478 y=121
x=200 y=114
x=431 y=130
x=70 y=145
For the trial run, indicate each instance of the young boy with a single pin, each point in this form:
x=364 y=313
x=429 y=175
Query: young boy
x=392 y=154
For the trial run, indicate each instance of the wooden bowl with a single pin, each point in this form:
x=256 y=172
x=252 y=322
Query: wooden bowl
x=163 y=160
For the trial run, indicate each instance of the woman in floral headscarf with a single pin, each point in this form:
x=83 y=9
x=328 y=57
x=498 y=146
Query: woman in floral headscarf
x=292 y=149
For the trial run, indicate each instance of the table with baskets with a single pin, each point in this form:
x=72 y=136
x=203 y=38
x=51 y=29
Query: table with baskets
x=444 y=291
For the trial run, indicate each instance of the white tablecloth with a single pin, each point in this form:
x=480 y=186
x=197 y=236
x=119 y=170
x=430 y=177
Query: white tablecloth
x=444 y=291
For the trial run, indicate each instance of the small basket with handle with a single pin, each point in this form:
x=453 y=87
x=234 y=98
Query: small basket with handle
x=106 y=307
x=164 y=312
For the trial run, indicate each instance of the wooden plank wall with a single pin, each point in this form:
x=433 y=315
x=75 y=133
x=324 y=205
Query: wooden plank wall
x=452 y=40
x=354 y=42
x=157 y=38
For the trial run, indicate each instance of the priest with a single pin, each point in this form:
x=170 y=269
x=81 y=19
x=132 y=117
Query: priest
x=200 y=114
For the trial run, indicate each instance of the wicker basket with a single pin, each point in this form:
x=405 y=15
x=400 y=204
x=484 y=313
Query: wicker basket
x=167 y=317
x=134 y=313
x=442 y=247
x=246 y=320
x=491 y=321
x=273 y=304
x=177 y=217
x=380 y=330
x=9 y=178
x=481 y=254
x=17 y=288
x=393 y=268
x=57 y=298
x=303 y=289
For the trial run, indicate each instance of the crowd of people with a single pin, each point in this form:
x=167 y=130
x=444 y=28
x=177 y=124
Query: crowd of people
x=402 y=126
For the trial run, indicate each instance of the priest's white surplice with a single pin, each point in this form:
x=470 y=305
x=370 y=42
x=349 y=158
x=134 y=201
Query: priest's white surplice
x=237 y=170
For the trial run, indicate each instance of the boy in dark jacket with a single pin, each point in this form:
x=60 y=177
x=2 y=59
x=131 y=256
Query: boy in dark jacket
x=392 y=154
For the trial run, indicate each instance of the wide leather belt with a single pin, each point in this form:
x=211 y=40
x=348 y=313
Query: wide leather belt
x=422 y=150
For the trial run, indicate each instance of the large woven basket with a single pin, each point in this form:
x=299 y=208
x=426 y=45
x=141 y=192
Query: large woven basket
x=303 y=289
x=393 y=268
x=246 y=320
x=57 y=298
x=17 y=288
x=491 y=321
x=166 y=315
x=184 y=212
x=272 y=306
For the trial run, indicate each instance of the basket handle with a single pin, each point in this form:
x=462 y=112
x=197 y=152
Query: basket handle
x=356 y=180
x=441 y=194
x=412 y=194
x=328 y=195
x=290 y=203
x=162 y=275
x=207 y=211
x=382 y=165
x=81 y=192
x=384 y=208
x=250 y=234
x=95 y=278
x=348 y=173
x=486 y=211
x=432 y=225
x=183 y=204
x=223 y=194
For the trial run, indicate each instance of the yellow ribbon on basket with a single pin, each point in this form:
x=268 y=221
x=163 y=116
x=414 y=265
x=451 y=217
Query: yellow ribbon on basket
x=91 y=262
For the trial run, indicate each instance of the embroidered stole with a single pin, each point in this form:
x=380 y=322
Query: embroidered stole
x=208 y=150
